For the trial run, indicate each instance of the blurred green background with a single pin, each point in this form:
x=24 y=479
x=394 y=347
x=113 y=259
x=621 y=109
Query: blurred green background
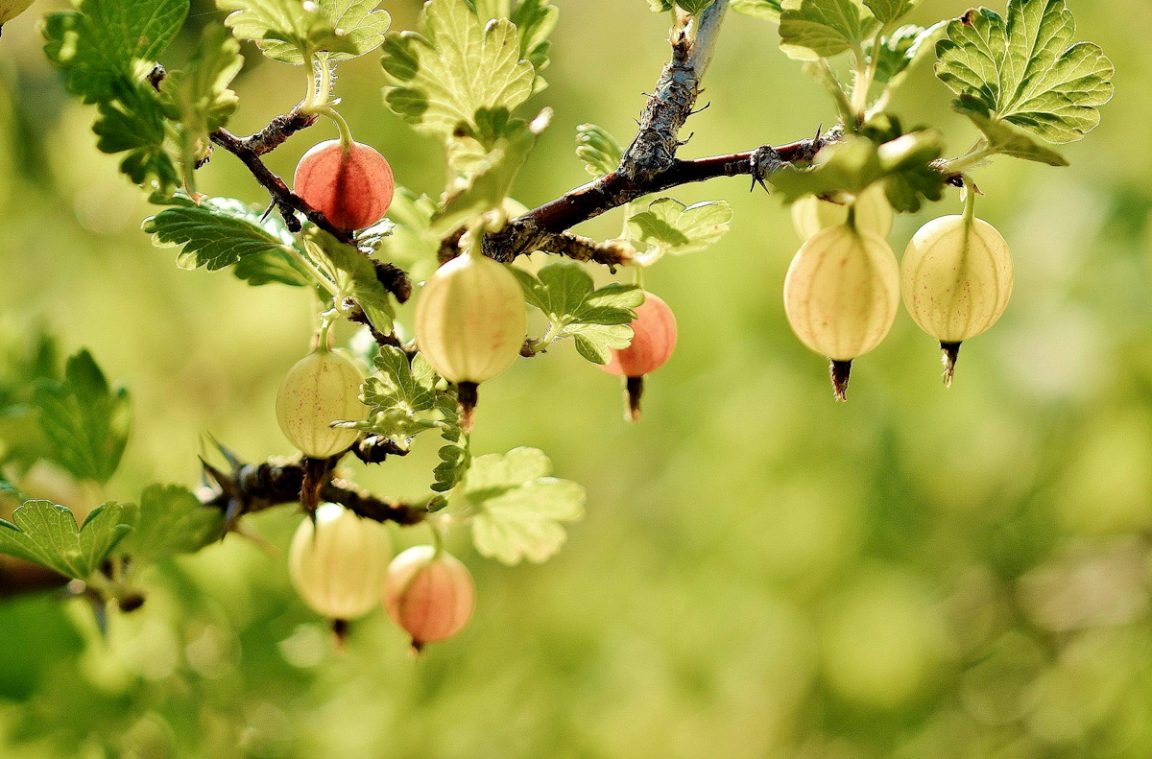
x=920 y=573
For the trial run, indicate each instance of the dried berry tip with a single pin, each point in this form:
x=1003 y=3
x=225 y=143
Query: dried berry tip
x=951 y=354
x=130 y=602
x=340 y=634
x=635 y=386
x=469 y=396
x=841 y=372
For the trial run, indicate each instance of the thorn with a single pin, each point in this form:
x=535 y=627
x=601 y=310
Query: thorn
x=268 y=211
x=819 y=132
x=701 y=110
x=232 y=459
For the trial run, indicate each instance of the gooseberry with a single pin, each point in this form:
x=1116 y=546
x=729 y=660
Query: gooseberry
x=429 y=593
x=322 y=388
x=653 y=340
x=956 y=277
x=339 y=564
x=471 y=323
x=351 y=186
x=840 y=295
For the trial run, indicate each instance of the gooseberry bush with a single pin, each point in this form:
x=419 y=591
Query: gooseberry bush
x=356 y=244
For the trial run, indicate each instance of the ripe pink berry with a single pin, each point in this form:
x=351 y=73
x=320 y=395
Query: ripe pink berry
x=653 y=340
x=429 y=594
x=352 y=187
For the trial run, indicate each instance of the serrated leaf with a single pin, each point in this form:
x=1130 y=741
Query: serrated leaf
x=597 y=320
x=517 y=509
x=402 y=398
x=85 y=421
x=221 y=232
x=411 y=246
x=355 y=275
x=491 y=179
x=198 y=96
x=293 y=31
x=108 y=42
x=824 y=28
x=670 y=227
x=46 y=534
x=1005 y=138
x=887 y=11
x=534 y=19
x=1025 y=69
x=598 y=149
x=169 y=520
x=440 y=78
x=769 y=10
x=901 y=50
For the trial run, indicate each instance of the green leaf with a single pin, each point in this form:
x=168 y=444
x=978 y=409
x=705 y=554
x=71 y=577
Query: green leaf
x=534 y=19
x=106 y=43
x=456 y=456
x=293 y=31
x=221 y=232
x=46 y=534
x=823 y=28
x=887 y=11
x=491 y=177
x=769 y=10
x=402 y=397
x=597 y=320
x=85 y=421
x=1025 y=69
x=695 y=7
x=198 y=96
x=134 y=123
x=904 y=164
x=899 y=51
x=517 y=509
x=1005 y=138
x=169 y=520
x=598 y=149
x=355 y=275
x=439 y=79
x=670 y=227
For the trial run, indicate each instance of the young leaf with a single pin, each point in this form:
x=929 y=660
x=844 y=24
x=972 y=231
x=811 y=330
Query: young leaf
x=85 y=421
x=899 y=51
x=516 y=507
x=597 y=149
x=491 y=178
x=402 y=397
x=1025 y=71
x=46 y=534
x=597 y=320
x=103 y=43
x=534 y=20
x=198 y=96
x=823 y=28
x=222 y=232
x=887 y=11
x=456 y=456
x=169 y=520
x=769 y=10
x=292 y=32
x=440 y=78
x=355 y=275
x=669 y=226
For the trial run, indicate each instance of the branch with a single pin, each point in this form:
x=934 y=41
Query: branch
x=531 y=231
x=250 y=488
